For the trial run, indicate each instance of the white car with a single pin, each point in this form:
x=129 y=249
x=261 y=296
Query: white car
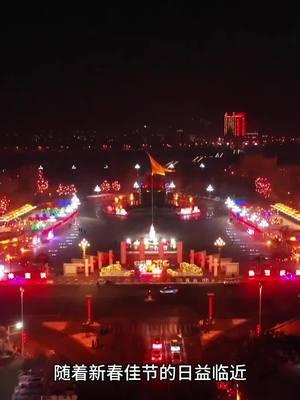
x=169 y=290
x=26 y=379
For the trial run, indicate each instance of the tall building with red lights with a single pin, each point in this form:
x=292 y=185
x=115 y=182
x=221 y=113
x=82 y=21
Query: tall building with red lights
x=235 y=124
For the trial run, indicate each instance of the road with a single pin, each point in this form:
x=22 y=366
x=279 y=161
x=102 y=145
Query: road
x=133 y=323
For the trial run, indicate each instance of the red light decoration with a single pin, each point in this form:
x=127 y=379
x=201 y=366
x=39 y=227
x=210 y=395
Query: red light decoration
x=42 y=184
x=66 y=190
x=263 y=187
x=105 y=186
x=251 y=273
x=4 y=204
x=116 y=186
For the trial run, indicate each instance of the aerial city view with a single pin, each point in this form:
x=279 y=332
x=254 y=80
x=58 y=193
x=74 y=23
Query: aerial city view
x=150 y=203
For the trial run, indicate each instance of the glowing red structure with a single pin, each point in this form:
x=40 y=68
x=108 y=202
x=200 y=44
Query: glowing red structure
x=235 y=124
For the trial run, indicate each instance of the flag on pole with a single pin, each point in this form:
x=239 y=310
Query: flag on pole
x=158 y=169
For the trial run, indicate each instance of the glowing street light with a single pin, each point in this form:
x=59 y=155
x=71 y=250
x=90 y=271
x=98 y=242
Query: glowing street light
x=19 y=325
x=136 y=185
x=219 y=243
x=84 y=244
x=210 y=189
x=202 y=165
x=97 y=189
x=13 y=329
x=137 y=167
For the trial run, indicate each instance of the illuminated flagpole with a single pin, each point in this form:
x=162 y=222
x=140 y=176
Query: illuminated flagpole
x=152 y=197
x=157 y=169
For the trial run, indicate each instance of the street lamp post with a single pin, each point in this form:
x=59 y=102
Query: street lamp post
x=22 y=320
x=13 y=329
x=260 y=286
x=137 y=167
x=219 y=243
x=84 y=244
x=210 y=189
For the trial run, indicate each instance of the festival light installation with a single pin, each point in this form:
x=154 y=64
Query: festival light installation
x=17 y=213
x=4 y=204
x=42 y=183
x=289 y=211
x=105 y=186
x=263 y=187
x=116 y=186
x=66 y=190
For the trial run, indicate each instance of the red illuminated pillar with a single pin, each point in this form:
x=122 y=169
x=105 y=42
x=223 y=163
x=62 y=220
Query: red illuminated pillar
x=238 y=125
x=243 y=125
x=192 y=256
x=210 y=305
x=100 y=257
x=92 y=264
x=89 y=299
x=110 y=257
x=161 y=250
x=142 y=251
x=179 y=252
x=123 y=252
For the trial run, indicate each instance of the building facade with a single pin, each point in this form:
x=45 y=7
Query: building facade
x=235 y=124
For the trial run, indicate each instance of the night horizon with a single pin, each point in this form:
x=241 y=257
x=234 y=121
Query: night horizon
x=164 y=66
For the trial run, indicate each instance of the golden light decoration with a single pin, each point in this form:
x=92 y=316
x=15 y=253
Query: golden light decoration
x=17 y=213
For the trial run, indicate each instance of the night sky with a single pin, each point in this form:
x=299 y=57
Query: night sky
x=117 y=68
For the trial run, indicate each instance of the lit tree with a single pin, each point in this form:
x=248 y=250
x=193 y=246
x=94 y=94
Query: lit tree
x=105 y=186
x=116 y=186
x=42 y=183
x=66 y=190
x=263 y=187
